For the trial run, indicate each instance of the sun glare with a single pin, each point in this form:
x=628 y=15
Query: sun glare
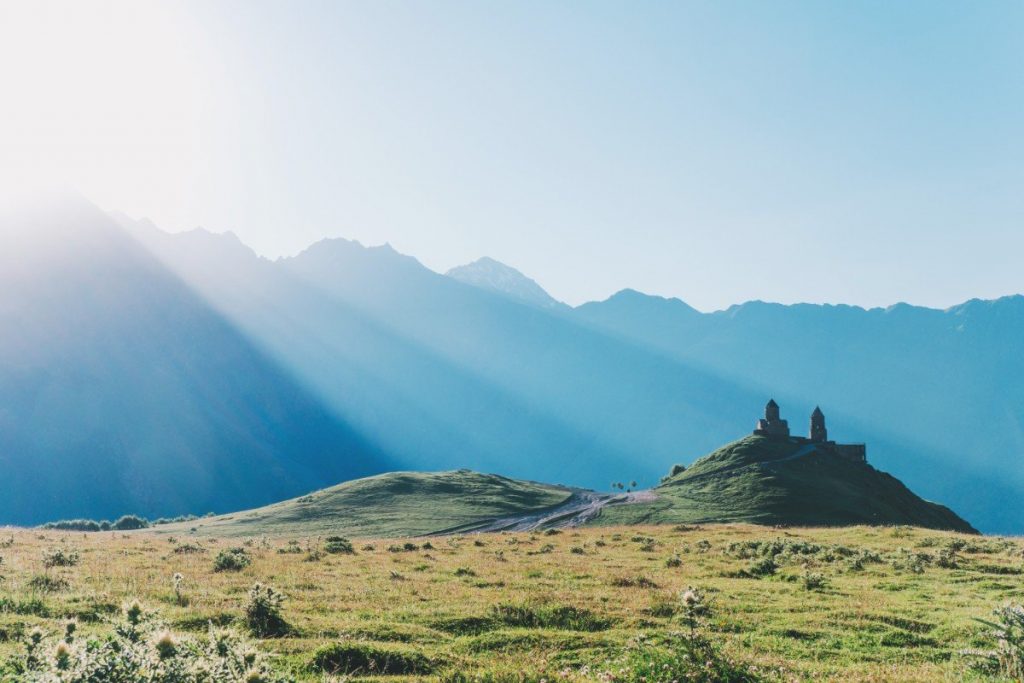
x=95 y=96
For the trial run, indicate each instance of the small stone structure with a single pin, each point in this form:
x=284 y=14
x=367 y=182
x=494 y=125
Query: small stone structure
x=774 y=427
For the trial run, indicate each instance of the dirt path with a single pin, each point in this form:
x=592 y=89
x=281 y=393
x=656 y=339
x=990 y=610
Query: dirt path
x=581 y=507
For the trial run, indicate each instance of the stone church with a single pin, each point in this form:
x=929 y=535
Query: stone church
x=774 y=427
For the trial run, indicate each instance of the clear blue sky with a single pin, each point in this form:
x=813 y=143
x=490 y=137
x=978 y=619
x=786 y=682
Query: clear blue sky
x=856 y=152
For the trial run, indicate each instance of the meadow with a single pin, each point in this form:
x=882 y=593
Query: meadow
x=714 y=602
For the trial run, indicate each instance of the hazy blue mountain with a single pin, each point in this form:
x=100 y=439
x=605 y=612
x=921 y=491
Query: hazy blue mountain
x=937 y=394
x=486 y=273
x=438 y=373
x=122 y=390
x=348 y=352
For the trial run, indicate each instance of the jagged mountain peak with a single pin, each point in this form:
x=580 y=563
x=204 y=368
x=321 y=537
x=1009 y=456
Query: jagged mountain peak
x=487 y=273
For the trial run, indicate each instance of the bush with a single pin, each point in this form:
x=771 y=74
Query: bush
x=813 y=581
x=686 y=657
x=365 y=658
x=44 y=583
x=676 y=470
x=73 y=525
x=231 y=560
x=526 y=615
x=263 y=612
x=130 y=523
x=763 y=567
x=338 y=544
x=1008 y=631
x=59 y=557
x=189 y=549
x=141 y=648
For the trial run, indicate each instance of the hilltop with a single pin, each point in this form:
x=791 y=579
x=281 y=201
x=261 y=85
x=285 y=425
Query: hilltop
x=762 y=480
x=393 y=504
x=757 y=479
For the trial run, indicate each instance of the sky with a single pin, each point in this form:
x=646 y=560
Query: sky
x=863 y=152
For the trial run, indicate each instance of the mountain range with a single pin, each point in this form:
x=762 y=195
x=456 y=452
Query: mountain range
x=162 y=374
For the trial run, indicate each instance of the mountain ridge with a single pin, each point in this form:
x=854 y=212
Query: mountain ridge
x=487 y=273
x=431 y=372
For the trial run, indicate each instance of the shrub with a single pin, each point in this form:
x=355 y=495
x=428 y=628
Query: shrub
x=759 y=568
x=674 y=562
x=676 y=470
x=947 y=558
x=45 y=583
x=630 y=582
x=73 y=525
x=59 y=557
x=130 y=523
x=684 y=657
x=464 y=571
x=263 y=612
x=364 y=658
x=176 y=582
x=141 y=648
x=694 y=607
x=189 y=549
x=527 y=615
x=338 y=544
x=813 y=581
x=1008 y=631
x=231 y=560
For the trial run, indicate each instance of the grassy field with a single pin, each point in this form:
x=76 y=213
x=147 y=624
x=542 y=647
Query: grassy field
x=852 y=604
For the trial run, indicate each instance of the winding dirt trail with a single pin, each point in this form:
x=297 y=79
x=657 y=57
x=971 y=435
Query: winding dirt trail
x=581 y=507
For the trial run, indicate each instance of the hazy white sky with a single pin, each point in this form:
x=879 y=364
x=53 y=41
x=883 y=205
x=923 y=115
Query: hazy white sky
x=863 y=152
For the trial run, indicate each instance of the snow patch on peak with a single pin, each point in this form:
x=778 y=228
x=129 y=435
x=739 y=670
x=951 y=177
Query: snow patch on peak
x=486 y=273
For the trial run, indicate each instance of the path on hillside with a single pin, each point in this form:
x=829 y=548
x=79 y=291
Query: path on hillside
x=581 y=507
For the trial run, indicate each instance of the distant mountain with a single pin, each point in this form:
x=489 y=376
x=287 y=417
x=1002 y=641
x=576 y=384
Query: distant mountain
x=122 y=390
x=937 y=394
x=425 y=372
x=767 y=481
x=486 y=273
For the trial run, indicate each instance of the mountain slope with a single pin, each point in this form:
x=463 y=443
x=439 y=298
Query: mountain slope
x=441 y=374
x=766 y=481
x=939 y=394
x=122 y=391
x=393 y=504
x=486 y=273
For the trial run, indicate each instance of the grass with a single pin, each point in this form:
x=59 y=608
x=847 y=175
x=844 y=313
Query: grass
x=388 y=505
x=879 y=605
x=754 y=480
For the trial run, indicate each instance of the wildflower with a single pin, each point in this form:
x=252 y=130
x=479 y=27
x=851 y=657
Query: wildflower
x=62 y=654
x=133 y=612
x=165 y=644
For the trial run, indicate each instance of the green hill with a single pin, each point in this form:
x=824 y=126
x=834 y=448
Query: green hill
x=767 y=481
x=393 y=504
x=756 y=480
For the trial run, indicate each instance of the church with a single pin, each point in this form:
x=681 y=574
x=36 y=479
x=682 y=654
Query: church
x=774 y=427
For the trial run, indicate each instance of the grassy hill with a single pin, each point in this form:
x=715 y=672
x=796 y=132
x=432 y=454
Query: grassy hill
x=393 y=504
x=765 y=481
